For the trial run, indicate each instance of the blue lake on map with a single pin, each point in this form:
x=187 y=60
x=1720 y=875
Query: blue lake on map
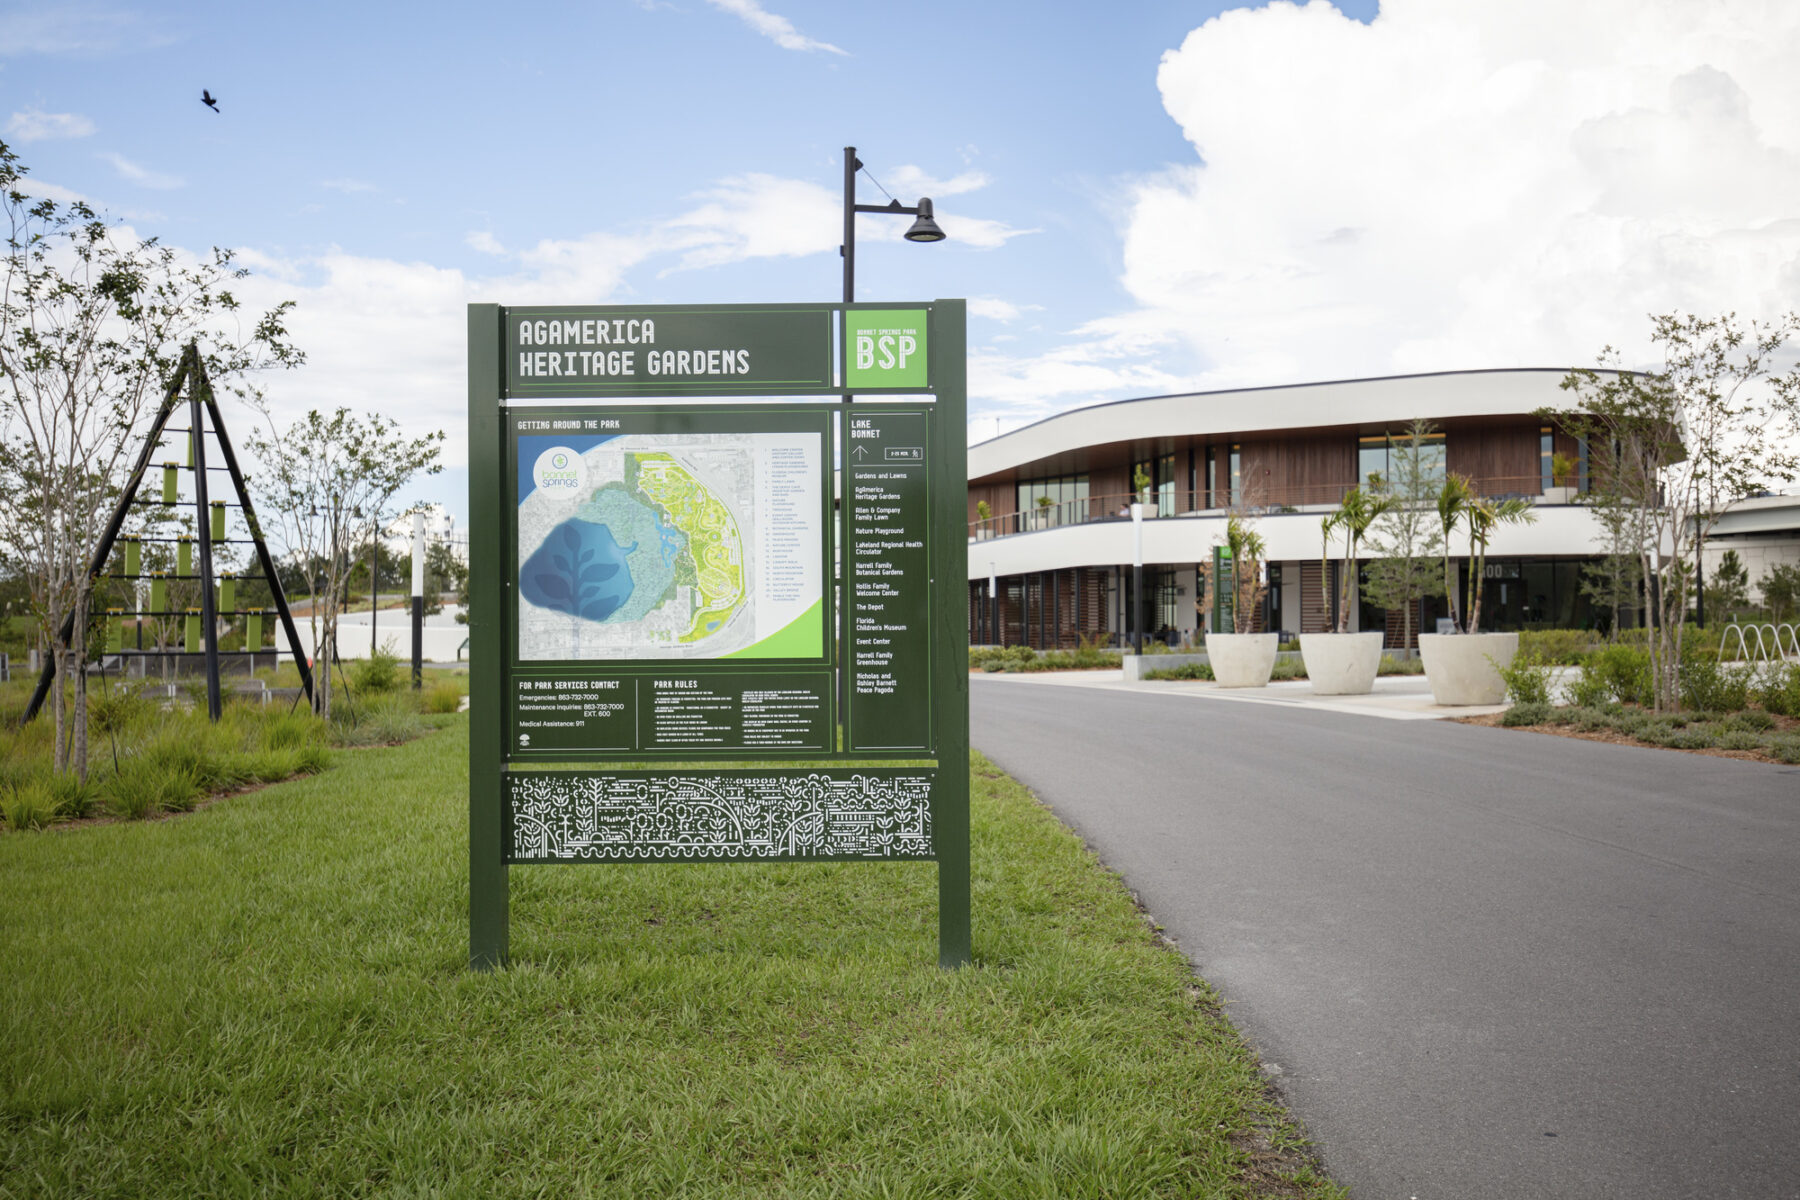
x=618 y=530
x=580 y=569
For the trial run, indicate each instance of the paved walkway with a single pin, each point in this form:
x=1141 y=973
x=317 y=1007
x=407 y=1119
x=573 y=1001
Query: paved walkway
x=1482 y=963
x=1396 y=697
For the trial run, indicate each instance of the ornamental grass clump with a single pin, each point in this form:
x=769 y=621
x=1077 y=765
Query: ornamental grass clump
x=443 y=696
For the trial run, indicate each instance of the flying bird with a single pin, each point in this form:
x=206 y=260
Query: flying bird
x=206 y=98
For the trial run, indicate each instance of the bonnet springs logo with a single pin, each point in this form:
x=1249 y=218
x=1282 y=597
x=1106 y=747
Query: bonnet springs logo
x=559 y=473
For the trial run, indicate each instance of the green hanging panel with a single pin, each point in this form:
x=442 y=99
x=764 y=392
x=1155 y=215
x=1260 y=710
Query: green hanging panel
x=253 y=630
x=171 y=482
x=115 y=630
x=192 y=644
x=227 y=593
x=218 y=520
x=184 y=555
x=159 y=592
x=133 y=555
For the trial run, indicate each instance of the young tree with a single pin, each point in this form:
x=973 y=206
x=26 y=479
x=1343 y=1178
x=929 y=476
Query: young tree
x=1781 y=590
x=332 y=481
x=1728 y=593
x=1408 y=535
x=92 y=327
x=1717 y=423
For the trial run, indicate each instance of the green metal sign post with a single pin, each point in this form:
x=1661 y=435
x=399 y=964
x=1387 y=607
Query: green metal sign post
x=688 y=548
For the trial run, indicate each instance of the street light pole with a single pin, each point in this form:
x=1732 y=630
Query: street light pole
x=924 y=229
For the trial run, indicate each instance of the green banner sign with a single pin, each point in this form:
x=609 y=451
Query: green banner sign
x=610 y=351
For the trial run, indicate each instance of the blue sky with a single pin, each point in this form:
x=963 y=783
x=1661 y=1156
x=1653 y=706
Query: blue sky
x=1141 y=198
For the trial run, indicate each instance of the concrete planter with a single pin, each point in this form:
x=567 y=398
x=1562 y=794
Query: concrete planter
x=1241 y=660
x=1342 y=664
x=1465 y=668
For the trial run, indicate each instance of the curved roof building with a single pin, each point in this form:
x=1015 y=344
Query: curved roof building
x=1058 y=545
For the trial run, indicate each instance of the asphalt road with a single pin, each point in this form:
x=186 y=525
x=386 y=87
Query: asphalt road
x=1481 y=962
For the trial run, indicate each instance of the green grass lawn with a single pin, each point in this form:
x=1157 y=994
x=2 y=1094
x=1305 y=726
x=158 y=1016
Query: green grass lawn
x=269 y=996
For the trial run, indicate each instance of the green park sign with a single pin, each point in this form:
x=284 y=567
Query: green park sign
x=690 y=548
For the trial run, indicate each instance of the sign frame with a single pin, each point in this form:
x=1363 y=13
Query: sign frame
x=878 y=646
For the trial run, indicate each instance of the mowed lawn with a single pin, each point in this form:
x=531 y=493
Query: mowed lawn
x=269 y=996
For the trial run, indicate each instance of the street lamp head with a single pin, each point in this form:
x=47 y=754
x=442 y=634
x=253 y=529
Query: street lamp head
x=924 y=229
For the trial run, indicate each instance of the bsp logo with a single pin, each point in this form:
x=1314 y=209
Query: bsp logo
x=559 y=473
x=887 y=348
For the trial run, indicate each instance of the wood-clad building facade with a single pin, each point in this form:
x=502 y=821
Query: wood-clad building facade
x=1048 y=504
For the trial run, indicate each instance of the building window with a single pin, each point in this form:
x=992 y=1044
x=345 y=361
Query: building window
x=1212 y=478
x=1067 y=502
x=1546 y=459
x=1165 y=486
x=1375 y=456
x=1236 y=495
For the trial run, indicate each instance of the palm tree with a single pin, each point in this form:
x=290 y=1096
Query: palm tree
x=1453 y=501
x=1482 y=515
x=1359 y=510
x=1327 y=526
x=1247 y=550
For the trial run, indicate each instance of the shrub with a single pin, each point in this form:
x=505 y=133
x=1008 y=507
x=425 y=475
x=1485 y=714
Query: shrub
x=1696 y=738
x=1589 y=690
x=1625 y=672
x=1186 y=671
x=443 y=696
x=1401 y=666
x=1590 y=718
x=30 y=805
x=1529 y=713
x=1288 y=668
x=1751 y=721
x=1780 y=691
x=1556 y=647
x=379 y=673
x=1739 y=739
x=114 y=710
x=1708 y=684
x=1527 y=679
x=1787 y=748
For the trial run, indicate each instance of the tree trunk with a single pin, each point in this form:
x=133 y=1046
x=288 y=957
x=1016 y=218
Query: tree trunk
x=78 y=648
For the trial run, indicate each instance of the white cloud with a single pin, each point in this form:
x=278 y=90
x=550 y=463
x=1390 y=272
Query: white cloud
x=142 y=176
x=996 y=309
x=909 y=183
x=35 y=125
x=1457 y=185
x=777 y=29
x=483 y=242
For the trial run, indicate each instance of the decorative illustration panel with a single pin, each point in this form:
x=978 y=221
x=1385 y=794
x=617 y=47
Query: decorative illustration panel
x=719 y=816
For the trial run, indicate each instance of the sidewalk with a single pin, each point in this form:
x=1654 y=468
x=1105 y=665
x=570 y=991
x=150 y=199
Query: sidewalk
x=1396 y=697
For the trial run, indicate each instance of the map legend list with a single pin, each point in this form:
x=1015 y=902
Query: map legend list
x=888 y=634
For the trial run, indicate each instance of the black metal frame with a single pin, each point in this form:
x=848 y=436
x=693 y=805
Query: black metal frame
x=201 y=404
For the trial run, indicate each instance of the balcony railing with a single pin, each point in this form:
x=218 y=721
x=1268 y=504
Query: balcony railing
x=1320 y=497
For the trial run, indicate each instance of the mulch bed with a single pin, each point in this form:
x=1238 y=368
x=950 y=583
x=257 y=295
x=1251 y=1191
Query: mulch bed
x=1782 y=724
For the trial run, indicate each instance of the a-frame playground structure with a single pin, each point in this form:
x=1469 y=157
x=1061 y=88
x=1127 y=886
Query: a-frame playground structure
x=195 y=559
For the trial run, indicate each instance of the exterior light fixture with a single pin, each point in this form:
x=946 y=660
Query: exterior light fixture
x=924 y=229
